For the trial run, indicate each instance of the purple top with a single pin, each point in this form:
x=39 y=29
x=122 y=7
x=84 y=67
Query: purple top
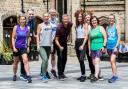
x=63 y=32
x=21 y=37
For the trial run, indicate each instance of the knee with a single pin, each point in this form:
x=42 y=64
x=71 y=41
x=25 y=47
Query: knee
x=25 y=61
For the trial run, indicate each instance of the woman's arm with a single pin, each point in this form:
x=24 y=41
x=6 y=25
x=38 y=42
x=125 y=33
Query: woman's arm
x=104 y=35
x=13 y=37
x=38 y=34
x=118 y=33
x=85 y=37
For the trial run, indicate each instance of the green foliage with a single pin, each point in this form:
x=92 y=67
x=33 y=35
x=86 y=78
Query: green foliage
x=5 y=51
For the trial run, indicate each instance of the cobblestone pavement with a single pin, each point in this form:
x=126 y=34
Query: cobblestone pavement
x=72 y=71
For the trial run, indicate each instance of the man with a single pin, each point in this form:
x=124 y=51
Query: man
x=113 y=40
x=31 y=24
x=54 y=22
x=62 y=35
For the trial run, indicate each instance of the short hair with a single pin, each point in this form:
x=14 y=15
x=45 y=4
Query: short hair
x=30 y=9
x=19 y=16
x=52 y=10
x=45 y=14
x=65 y=15
x=93 y=18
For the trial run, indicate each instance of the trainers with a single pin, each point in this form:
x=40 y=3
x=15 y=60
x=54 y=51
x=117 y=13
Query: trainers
x=113 y=79
x=14 y=78
x=101 y=78
x=79 y=78
x=29 y=80
x=23 y=77
x=91 y=76
x=64 y=76
x=54 y=73
x=94 y=80
x=61 y=77
x=44 y=79
x=47 y=75
x=83 y=78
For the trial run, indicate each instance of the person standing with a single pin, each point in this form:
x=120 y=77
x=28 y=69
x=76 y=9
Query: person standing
x=44 y=42
x=81 y=35
x=21 y=43
x=54 y=22
x=97 y=43
x=113 y=39
x=62 y=36
x=31 y=24
x=91 y=66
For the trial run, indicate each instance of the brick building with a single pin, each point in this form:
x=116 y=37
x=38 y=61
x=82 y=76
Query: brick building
x=9 y=9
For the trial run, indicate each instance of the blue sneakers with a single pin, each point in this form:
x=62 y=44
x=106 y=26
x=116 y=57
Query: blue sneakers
x=23 y=77
x=14 y=78
x=44 y=79
x=113 y=79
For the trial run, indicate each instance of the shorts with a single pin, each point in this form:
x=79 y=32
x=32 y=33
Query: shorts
x=112 y=51
x=54 y=49
x=96 y=54
x=20 y=52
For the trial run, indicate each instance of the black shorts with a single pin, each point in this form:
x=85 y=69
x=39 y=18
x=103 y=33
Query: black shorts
x=20 y=52
x=54 y=48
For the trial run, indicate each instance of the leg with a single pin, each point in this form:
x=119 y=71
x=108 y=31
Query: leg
x=15 y=65
x=53 y=62
x=26 y=63
x=91 y=66
x=44 y=53
x=113 y=64
x=59 y=62
x=97 y=67
x=22 y=69
x=64 y=58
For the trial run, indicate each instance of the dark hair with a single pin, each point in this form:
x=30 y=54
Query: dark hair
x=77 y=15
x=112 y=15
x=93 y=18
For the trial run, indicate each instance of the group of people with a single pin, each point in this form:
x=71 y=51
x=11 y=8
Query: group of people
x=92 y=40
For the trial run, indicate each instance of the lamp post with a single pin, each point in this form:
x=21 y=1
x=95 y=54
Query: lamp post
x=47 y=4
x=22 y=6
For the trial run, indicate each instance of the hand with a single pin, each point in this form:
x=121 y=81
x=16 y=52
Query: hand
x=15 y=50
x=115 y=49
x=89 y=52
x=81 y=47
x=38 y=48
x=61 y=48
x=28 y=50
x=103 y=49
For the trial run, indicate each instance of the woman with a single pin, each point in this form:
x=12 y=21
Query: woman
x=113 y=39
x=81 y=37
x=97 y=43
x=44 y=42
x=20 y=43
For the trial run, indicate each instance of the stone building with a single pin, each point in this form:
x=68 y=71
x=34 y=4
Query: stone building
x=9 y=9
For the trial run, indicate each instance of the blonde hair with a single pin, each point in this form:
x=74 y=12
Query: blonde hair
x=18 y=18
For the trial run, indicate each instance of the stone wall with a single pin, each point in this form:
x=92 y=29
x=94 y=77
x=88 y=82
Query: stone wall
x=13 y=7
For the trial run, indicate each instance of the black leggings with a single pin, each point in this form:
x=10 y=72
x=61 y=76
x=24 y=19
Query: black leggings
x=78 y=43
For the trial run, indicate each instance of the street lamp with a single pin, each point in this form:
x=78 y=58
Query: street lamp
x=46 y=3
x=22 y=6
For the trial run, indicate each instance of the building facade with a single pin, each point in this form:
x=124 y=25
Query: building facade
x=9 y=9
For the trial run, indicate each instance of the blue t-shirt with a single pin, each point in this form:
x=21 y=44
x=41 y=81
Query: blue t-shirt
x=112 y=37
